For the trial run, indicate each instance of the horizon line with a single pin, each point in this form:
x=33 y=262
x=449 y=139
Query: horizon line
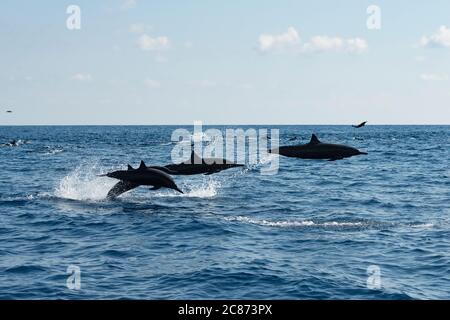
x=219 y=124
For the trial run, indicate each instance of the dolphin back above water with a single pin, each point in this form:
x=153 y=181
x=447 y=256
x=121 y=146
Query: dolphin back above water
x=143 y=176
x=317 y=150
x=362 y=124
x=198 y=165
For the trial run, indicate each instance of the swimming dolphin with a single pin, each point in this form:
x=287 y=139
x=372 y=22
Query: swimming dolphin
x=8 y=111
x=362 y=124
x=317 y=150
x=143 y=176
x=12 y=143
x=198 y=165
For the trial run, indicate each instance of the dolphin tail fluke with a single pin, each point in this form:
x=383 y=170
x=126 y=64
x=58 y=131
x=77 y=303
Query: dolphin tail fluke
x=119 y=188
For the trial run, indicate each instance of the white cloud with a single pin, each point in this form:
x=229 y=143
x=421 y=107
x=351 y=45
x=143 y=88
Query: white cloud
x=356 y=45
x=269 y=42
x=129 y=4
x=291 y=40
x=82 y=77
x=147 y=43
x=439 y=39
x=335 y=44
x=434 y=77
x=152 y=84
x=324 y=43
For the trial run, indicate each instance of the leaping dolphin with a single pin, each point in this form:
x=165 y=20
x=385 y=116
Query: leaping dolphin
x=318 y=150
x=198 y=165
x=362 y=124
x=143 y=176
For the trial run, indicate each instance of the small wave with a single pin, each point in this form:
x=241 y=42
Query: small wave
x=326 y=224
x=423 y=225
x=293 y=223
x=24 y=269
x=52 y=150
x=48 y=150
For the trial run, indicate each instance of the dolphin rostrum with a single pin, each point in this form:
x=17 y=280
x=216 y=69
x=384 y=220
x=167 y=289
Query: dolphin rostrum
x=143 y=176
x=317 y=150
x=198 y=165
x=362 y=124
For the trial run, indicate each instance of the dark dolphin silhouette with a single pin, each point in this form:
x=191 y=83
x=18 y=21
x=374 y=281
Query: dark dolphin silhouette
x=8 y=111
x=317 y=150
x=198 y=165
x=143 y=176
x=13 y=143
x=362 y=124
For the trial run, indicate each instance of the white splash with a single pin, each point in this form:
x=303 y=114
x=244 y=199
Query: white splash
x=207 y=189
x=423 y=225
x=52 y=151
x=83 y=184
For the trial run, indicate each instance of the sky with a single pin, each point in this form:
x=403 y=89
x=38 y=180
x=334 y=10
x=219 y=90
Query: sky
x=224 y=62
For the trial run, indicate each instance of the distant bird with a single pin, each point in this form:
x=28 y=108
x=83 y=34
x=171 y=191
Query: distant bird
x=362 y=124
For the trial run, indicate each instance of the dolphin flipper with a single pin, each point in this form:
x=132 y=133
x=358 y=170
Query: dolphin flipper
x=119 y=188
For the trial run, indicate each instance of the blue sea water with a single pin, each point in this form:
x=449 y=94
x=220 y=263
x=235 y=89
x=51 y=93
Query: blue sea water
x=309 y=232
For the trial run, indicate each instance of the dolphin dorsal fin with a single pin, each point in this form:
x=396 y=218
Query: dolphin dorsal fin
x=195 y=158
x=314 y=139
x=130 y=168
x=142 y=166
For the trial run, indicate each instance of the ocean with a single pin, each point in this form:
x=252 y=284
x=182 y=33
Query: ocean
x=374 y=226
